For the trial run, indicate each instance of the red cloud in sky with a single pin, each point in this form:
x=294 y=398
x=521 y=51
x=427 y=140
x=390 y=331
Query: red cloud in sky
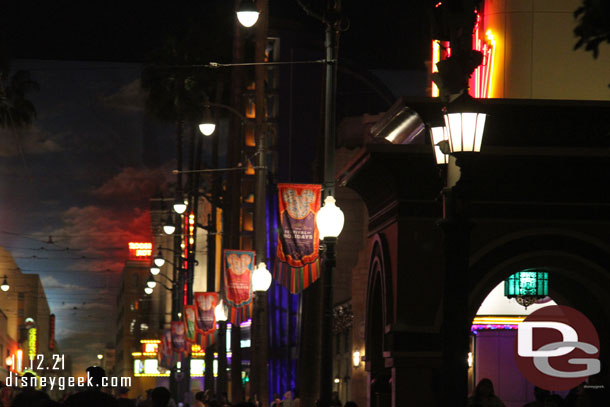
x=134 y=184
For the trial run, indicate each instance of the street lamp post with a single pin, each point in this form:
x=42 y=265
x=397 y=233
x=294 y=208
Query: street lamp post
x=464 y=125
x=329 y=221
x=220 y=312
x=261 y=280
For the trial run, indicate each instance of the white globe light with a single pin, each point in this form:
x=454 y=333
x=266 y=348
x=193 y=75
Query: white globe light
x=155 y=270
x=220 y=312
x=148 y=290
x=169 y=229
x=247 y=18
x=207 y=128
x=180 y=207
x=329 y=219
x=100 y=356
x=261 y=278
x=5 y=286
x=151 y=282
x=159 y=260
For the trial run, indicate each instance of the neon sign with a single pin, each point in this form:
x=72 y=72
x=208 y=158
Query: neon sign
x=32 y=343
x=481 y=80
x=140 y=249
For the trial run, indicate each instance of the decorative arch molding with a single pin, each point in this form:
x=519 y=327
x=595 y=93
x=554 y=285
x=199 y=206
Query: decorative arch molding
x=538 y=232
x=558 y=251
x=380 y=293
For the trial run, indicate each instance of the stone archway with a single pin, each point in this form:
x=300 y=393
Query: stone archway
x=379 y=312
x=578 y=266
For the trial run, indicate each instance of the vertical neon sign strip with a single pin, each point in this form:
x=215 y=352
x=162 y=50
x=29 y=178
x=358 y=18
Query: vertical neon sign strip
x=490 y=61
x=436 y=57
x=184 y=263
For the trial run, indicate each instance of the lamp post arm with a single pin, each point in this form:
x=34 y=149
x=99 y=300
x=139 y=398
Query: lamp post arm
x=309 y=11
x=166 y=287
x=168 y=279
x=243 y=118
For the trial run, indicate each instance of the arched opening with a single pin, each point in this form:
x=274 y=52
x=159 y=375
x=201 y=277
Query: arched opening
x=379 y=308
x=577 y=276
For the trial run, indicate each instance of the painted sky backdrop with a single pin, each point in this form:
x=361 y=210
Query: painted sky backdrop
x=83 y=174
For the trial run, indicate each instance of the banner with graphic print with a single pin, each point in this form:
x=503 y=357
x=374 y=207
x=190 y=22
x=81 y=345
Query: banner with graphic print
x=190 y=319
x=164 y=354
x=238 y=267
x=206 y=304
x=178 y=336
x=297 y=261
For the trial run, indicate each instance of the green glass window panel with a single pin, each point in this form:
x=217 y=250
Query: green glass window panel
x=527 y=282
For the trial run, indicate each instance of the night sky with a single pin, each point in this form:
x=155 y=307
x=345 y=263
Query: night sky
x=84 y=171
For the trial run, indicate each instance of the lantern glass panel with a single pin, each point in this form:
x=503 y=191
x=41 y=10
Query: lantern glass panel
x=527 y=282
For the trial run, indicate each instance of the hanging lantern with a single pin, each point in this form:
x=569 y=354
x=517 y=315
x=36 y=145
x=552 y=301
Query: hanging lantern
x=464 y=123
x=527 y=286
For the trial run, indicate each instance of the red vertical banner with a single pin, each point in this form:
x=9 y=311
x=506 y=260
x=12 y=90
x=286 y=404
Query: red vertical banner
x=178 y=336
x=51 y=331
x=190 y=319
x=238 y=267
x=297 y=261
x=206 y=304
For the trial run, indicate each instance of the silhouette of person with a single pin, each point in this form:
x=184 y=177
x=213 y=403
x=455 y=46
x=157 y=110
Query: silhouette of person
x=484 y=395
x=540 y=395
x=93 y=396
x=123 y=400
x=160 y=397
x=335 y=402
x=29 y=396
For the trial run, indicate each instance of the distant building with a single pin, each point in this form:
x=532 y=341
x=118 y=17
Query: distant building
x=132 y=312
x=26 y=325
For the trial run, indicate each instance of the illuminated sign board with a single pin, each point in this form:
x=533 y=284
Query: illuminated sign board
x=151 y=366
x=140 y=250
x=197 y=367
x=32 y=343
x=151 y=348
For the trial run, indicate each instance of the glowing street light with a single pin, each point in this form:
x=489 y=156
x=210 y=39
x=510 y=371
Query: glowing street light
x=207 y=125
x=261 y=278
x=330 y=219
x=168 y=226
x=180 y=205
x=151 y=282
x=159 y=260
x=247 y=13
x=5 y=286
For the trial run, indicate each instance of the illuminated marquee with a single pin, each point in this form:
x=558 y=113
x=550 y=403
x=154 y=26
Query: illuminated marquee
x=138 y=250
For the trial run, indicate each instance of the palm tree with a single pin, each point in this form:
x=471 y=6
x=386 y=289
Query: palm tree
x=16 y=111
x=175 y=82
x=593 y=26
